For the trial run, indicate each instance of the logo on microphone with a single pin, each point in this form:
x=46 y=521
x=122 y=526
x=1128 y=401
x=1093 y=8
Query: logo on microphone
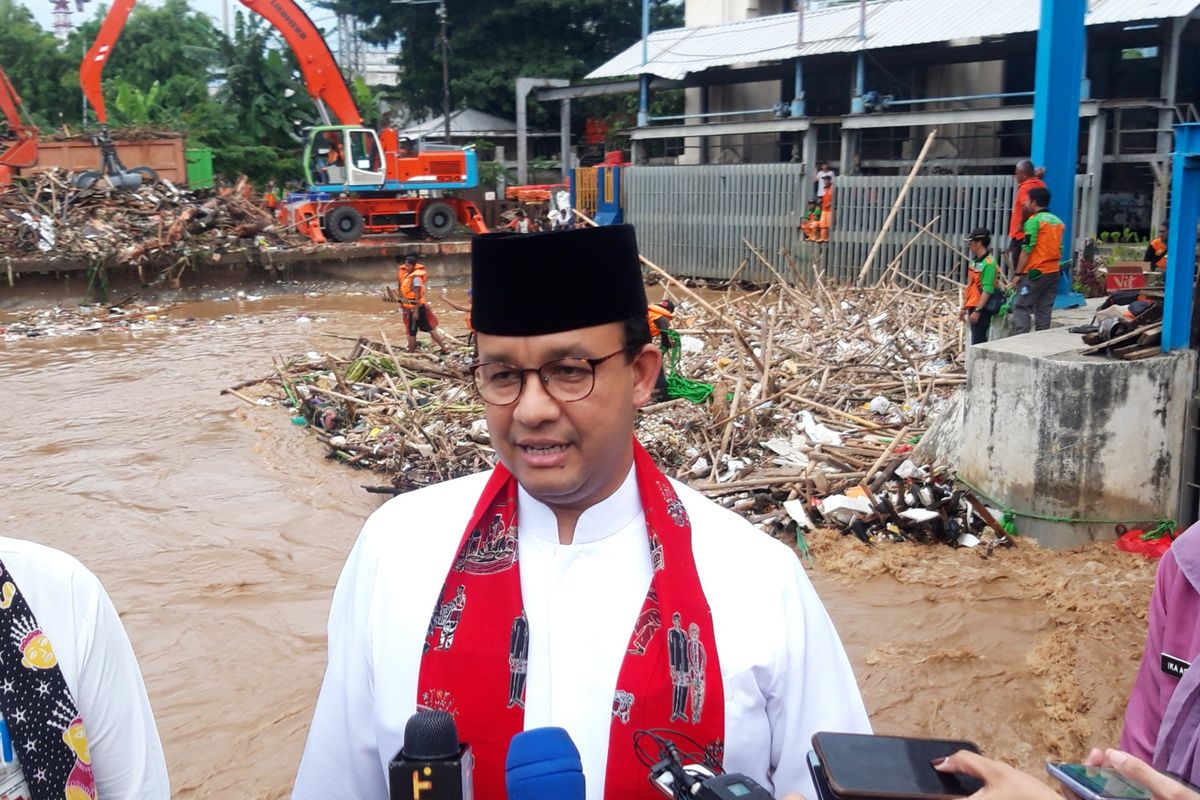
x=419 y=785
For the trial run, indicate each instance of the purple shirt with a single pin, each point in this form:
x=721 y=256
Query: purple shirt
x=1162 y=721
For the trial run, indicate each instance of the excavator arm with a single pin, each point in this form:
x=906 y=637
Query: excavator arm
x=92 y=67
x=321 y=73
x=23 y=152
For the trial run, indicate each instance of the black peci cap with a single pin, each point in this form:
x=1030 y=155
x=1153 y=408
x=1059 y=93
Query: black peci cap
x=537 y=283
x=979 y=233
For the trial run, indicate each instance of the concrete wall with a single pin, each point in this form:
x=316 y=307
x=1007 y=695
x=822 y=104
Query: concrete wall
x=1052 y=432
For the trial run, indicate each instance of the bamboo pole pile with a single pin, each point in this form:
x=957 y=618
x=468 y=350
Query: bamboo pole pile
x=819 y=388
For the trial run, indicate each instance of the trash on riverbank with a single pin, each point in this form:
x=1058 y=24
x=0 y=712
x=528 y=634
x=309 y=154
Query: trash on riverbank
x=160 y=224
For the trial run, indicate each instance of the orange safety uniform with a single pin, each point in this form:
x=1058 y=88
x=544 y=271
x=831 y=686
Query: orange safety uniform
x=1043 y=242
x=826 y=213
x=655 y=312
x=812 y=222
x=410 y=295
x=1159 y=250
x=1016 y=223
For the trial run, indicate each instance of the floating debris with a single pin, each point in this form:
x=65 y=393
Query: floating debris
x=821 y=391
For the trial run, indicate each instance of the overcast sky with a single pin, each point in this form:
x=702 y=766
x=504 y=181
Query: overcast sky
x=43 y=10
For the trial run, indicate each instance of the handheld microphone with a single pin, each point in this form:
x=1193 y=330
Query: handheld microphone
x=543 y=764
x=433 y=764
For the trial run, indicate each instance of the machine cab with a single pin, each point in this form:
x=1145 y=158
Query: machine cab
x=341 y=156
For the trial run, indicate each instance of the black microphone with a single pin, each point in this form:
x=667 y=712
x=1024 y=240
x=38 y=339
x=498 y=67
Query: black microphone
x=433 y=764
x=694 y=781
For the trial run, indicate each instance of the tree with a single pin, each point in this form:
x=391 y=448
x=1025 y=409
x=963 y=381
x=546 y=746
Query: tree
x=171 y=45
x=492 y=44
x=36 y=65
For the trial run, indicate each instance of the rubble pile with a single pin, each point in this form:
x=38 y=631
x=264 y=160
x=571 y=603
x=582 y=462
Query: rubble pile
x=821 y=392
x=159 y=224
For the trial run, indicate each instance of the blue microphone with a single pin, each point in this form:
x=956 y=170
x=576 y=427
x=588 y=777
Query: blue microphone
x=543 y=764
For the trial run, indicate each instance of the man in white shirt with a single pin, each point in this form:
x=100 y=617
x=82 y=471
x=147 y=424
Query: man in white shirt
x=633 y=601
x=823 y=172
x=76 y=721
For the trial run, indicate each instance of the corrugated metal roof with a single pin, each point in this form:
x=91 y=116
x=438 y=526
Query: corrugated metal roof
x=466 y=122
x=890 y=23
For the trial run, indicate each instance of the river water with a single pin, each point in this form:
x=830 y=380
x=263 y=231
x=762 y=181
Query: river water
x=219 y=530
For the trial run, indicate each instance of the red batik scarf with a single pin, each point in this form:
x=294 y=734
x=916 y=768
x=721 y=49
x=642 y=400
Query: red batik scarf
x=476 y=649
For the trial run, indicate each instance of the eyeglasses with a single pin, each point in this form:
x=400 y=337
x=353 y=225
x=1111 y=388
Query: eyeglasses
x=565 y=379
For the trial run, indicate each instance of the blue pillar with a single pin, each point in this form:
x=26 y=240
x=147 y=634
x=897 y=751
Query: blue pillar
x=1181 y=241
x=1060 y=55
x=798 y=91
x=860 y=80
x=643 y=115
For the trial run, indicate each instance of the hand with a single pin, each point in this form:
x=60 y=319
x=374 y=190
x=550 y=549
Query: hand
x=1001 y=782
x=1162 y=787
x=974 y=317
x=794 y=796
x=962 y=313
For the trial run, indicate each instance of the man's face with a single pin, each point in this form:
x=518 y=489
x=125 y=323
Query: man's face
x=1162 y=232
x=570 y=455
x=977 y=248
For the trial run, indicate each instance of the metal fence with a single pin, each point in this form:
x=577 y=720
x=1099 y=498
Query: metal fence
x=955 y=205
x=692 y=220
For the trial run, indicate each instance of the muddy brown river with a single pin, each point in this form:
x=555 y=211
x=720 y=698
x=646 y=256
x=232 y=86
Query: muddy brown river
x=219 y=530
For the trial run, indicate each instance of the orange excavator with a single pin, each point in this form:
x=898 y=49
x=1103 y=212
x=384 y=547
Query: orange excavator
x=20 y=141
x=90 y=71
x=358 y=180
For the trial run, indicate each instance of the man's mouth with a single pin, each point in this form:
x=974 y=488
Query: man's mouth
x=540 y=450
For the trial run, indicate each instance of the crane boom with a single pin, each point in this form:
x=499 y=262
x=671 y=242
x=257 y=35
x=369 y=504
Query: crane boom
x=93 y=62
x=10 y=105
x=24 y=151
x=321 y=74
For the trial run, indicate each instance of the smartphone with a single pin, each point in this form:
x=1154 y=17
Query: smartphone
x=1097 y=783
x=864 y=767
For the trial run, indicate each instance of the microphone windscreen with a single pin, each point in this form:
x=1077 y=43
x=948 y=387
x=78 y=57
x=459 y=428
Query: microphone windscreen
x=543 y=764
x=430 y=736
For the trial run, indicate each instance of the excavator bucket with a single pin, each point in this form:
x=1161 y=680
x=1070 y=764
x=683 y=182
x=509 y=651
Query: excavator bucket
x=305 y=219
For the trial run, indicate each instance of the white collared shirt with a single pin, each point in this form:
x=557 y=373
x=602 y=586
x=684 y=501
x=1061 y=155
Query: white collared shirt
x=784 y=672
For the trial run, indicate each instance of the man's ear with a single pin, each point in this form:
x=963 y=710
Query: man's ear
x=647 y=365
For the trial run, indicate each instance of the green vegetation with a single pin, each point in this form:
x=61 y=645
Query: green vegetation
x=242 y=95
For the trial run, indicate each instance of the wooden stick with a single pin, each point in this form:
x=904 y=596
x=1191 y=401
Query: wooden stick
x=700 y=301
x=239 y=396
x=891 y=217
x=895 y=265
x=866 y=423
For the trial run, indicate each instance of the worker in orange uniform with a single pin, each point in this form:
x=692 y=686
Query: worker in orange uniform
x=983 y=294
x=1038 y=267
x=812 y=221
x=465 y=309
x=418 y=316
x=826 y=220
x=659 y=315
x=1156 y=252
x=271 y=198
x=1027 y=177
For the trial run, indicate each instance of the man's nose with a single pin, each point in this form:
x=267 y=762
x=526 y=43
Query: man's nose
x=535 y=405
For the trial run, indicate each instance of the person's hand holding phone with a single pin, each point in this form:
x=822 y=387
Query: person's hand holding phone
x=1160 y=786
x=1001 y=782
